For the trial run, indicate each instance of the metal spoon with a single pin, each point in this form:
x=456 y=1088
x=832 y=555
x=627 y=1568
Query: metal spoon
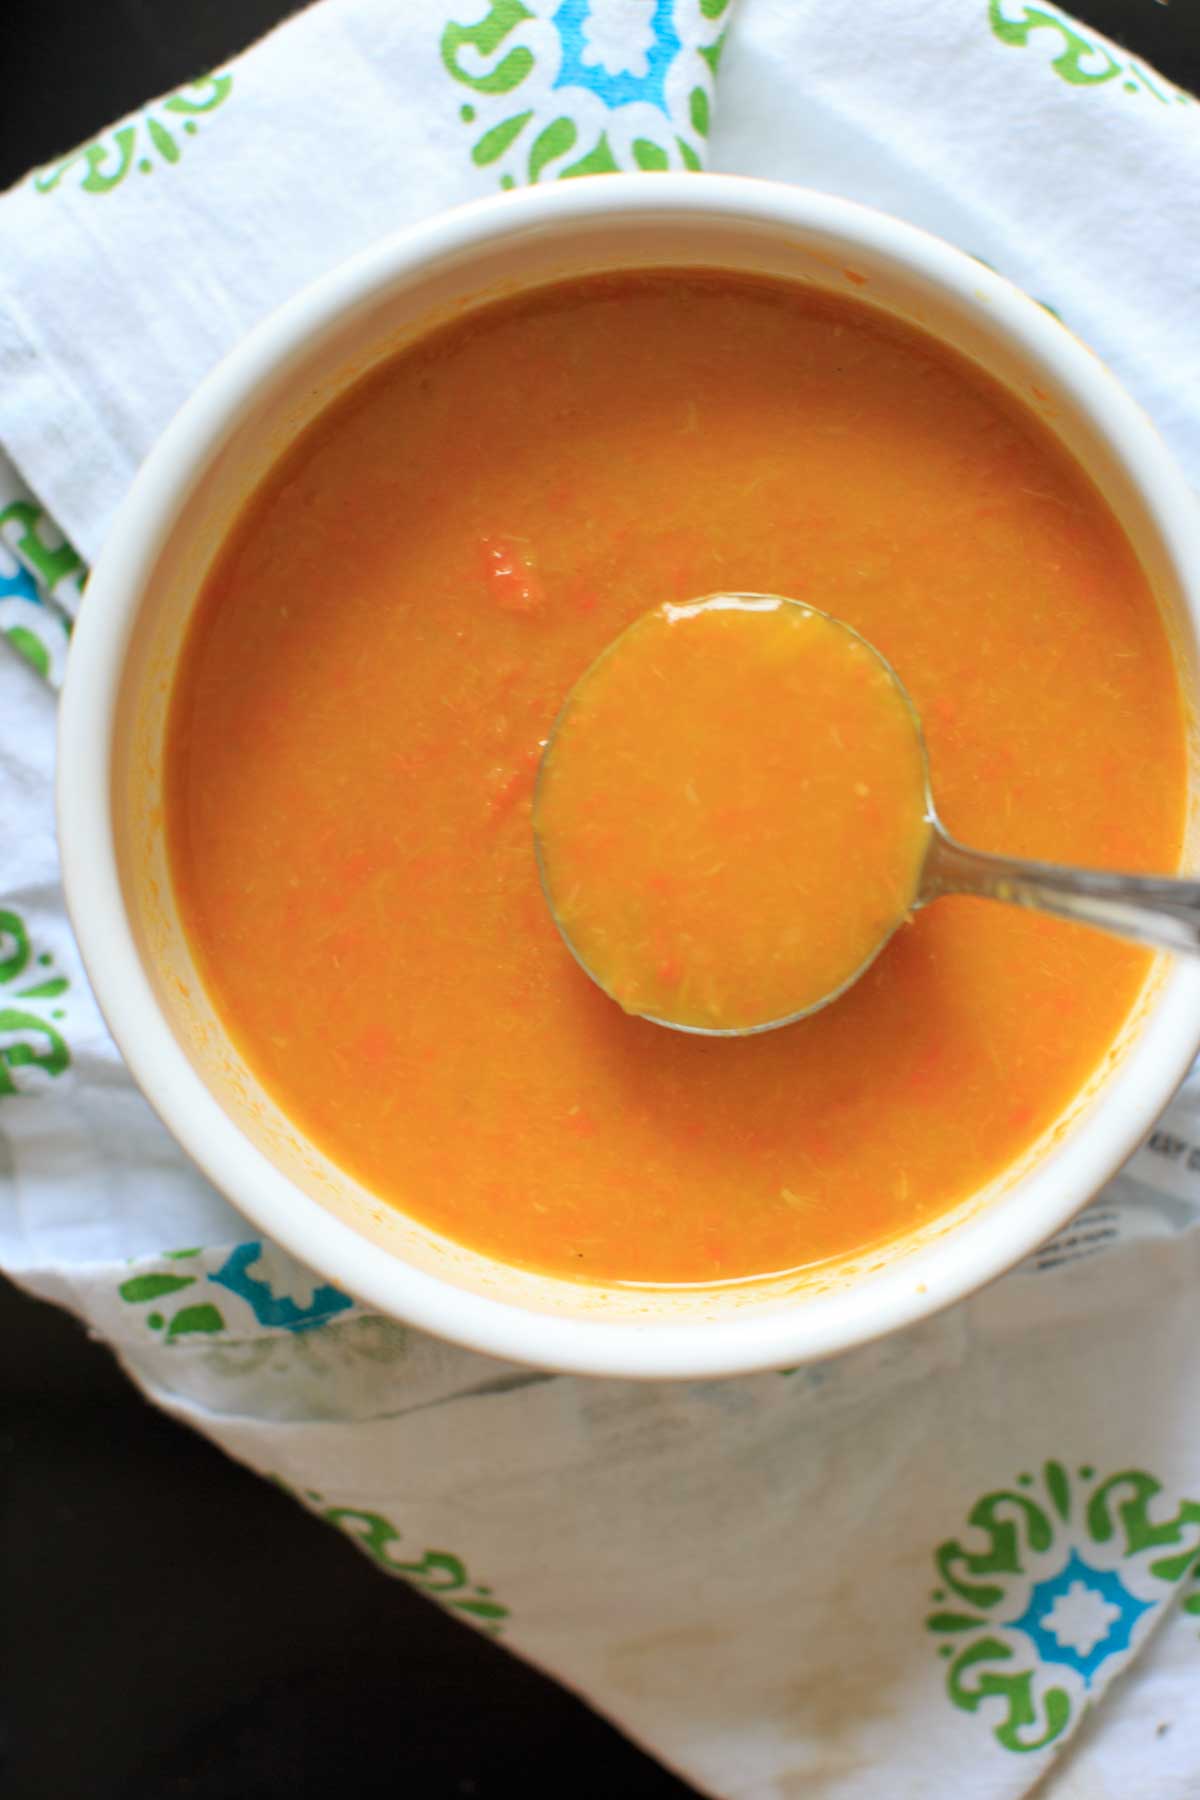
x=1160 y=911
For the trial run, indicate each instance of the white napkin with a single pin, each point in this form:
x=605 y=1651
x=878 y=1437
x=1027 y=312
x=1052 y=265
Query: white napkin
x=915 y=1571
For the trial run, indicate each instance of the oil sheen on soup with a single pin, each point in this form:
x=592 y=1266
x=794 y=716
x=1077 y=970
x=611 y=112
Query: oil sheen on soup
x=381 y=650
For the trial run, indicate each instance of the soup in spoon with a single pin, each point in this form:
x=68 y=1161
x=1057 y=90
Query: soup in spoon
x=731 y=813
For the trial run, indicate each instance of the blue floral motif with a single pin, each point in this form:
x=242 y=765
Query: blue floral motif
x=622 y=88
x=1108 y=1586
x=16 y=583
x=556 y=89
x=273 y=1309
x=1033 y=1672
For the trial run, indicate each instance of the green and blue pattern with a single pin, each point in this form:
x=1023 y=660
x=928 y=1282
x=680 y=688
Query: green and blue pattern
x=41 y=580
x=558 y=88
x=249 y=1290
x=1051 y=1589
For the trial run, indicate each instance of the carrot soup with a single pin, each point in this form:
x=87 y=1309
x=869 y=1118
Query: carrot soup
x=380 y=653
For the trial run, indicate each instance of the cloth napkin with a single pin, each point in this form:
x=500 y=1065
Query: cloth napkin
x=920 y=1569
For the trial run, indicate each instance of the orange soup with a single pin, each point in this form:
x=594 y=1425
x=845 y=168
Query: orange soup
x=381 y=651
x=731 y=813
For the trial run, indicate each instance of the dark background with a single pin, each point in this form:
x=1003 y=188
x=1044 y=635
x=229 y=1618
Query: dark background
x=170 y=1626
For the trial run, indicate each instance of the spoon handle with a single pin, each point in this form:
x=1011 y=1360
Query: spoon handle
x=1159 y=910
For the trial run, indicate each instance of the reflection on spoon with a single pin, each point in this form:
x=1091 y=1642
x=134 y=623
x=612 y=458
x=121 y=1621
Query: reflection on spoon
x=733 y=815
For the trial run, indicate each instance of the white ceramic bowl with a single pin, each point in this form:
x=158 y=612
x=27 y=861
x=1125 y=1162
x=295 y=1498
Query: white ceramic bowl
x=114 y=707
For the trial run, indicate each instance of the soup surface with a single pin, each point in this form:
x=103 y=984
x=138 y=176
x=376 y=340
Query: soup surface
x=731 y=813
x=381 y=651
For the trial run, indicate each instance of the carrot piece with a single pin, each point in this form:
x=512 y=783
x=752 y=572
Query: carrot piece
x=511 y=575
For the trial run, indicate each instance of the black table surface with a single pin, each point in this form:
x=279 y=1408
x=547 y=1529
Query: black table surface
x=171 y=1626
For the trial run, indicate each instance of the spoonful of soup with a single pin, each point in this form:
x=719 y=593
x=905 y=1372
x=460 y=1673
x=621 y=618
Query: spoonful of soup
x=733 y=815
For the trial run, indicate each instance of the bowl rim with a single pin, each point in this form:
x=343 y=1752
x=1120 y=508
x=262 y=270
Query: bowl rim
x=973 y=1251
